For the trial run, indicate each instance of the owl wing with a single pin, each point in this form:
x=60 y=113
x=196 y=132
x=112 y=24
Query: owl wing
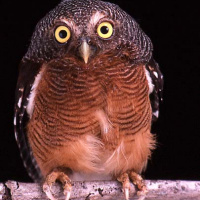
x=157 y=81
x=27 y=73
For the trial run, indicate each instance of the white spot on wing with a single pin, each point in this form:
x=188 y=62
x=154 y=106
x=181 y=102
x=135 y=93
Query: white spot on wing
x=21 y=89
x=30 y=106
x=156 y=113
x=19 y=102
x=155 y=74
x=151 y=86
x=15 y=122
x=16 y=138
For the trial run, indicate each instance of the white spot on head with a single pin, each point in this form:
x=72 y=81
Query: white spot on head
x=30 y=106
x=96 y=17
x=72 y=25
x=151 y=86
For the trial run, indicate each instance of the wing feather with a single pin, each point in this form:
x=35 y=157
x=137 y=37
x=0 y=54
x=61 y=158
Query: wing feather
x=27 y=74
x=157 y=80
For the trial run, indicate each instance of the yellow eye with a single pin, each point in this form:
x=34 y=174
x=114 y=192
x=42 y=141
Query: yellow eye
x=62 y=34
x=105 y=30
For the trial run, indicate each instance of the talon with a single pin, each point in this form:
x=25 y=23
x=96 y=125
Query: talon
x=68 y=194
x=139 y=182
x=67 y=186
x=126 y=192
x=63 y=178
x=67 y=190
x=124 y=179
x=47 y=191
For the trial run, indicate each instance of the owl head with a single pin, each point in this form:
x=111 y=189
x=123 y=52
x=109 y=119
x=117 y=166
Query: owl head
x=84 y=32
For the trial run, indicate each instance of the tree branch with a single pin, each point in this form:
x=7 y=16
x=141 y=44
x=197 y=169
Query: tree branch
x=158 y=190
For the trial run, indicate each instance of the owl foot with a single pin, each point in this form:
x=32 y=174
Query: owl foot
x=59 y=176
x=139 y=182
x=124 y=179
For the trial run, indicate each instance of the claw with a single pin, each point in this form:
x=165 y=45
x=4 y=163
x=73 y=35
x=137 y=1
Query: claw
x=63 y=178
x=126 y=192
x=67 y=190
x=139 y=182
x=68 y=195
x=136 y=180
x=47 y=191
x=124 y=179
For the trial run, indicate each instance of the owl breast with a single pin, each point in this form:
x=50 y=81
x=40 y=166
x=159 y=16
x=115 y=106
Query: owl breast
x=91 y=121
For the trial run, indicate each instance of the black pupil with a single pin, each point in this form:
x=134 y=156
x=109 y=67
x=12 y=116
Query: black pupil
x=63 y=34
x=104 y=29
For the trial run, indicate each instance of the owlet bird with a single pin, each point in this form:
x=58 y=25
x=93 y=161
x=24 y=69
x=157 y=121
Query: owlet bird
x=87 y=92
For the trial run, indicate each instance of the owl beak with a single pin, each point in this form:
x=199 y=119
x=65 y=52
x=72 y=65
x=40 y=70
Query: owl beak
x=85 y=51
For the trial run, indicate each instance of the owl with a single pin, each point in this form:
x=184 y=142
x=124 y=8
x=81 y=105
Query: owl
x=87 y=93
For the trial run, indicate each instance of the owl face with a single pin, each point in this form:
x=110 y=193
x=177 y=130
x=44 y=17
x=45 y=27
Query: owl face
x=85 y=32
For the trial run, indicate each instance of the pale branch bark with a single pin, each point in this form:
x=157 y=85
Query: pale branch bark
x=158 y=190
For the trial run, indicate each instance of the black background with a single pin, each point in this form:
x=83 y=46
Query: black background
x=173 y=29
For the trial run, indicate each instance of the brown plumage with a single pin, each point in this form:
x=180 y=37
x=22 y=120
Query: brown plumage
x=99 y=117
x=82 y=100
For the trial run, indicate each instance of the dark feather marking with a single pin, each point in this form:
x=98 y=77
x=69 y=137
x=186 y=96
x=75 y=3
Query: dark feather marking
x=157 y=94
